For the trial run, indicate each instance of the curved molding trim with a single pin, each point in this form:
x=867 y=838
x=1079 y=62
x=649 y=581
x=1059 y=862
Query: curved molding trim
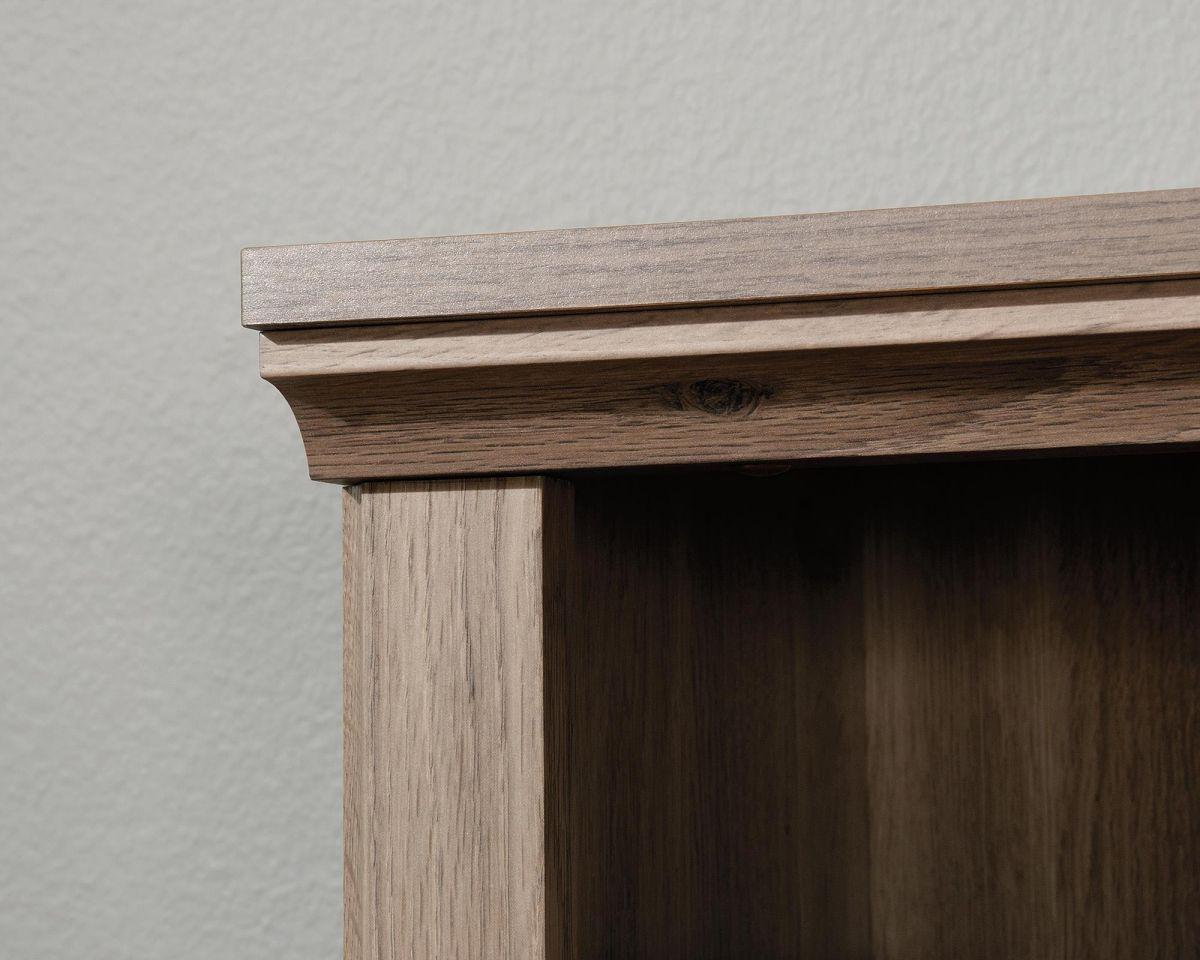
x=1103 y=366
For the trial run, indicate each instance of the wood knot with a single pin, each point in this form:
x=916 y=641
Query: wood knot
x=718 y=398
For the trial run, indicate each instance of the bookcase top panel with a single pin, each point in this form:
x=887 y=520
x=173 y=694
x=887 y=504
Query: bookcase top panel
x=1016 y=243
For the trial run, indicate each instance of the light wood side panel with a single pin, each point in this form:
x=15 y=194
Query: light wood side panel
x=357 y=822
x=1033 y=660
x=444 y=733
x=1126 y=236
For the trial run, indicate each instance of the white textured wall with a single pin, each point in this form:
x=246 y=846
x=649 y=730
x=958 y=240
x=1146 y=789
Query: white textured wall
x=169 y=579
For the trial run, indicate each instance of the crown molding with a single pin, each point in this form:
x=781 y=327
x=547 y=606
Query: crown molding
x=1108 y=365
x=1091 y=367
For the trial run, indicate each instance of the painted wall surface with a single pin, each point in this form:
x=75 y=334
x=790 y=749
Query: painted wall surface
x=170 y=705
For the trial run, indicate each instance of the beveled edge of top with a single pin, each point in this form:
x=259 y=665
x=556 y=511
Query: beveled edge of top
x=1014 y=243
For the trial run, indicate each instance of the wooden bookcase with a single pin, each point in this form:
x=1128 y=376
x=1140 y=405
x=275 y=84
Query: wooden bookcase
x=804 y=587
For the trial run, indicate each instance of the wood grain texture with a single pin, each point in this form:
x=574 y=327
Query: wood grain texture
x=444 y=796
x=1033 y=658
x=874 y=322
x=1014 y=243
x=1092 y=392
x=933 y=711
x=705 y=727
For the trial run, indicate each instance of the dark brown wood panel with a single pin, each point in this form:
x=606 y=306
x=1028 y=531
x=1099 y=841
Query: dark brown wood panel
x=1033 y=664
x=1022 y=242
x=705 y=775
x=939 y=710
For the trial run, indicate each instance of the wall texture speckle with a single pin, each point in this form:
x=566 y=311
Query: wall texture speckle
x=170 y=739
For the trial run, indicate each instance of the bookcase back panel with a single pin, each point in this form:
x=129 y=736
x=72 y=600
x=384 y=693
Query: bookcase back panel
x=934 y=710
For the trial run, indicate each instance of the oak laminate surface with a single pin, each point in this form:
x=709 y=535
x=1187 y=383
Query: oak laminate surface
x=444 y=785
x=940 y=710
x=1126 y=236
x=705 y=731
x=682 y=333
x=888 y=712
x=1044 y=395
x=934 y=710
x=1033 y=659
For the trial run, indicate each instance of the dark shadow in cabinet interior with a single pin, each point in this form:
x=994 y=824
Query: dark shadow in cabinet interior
x=940 y=711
